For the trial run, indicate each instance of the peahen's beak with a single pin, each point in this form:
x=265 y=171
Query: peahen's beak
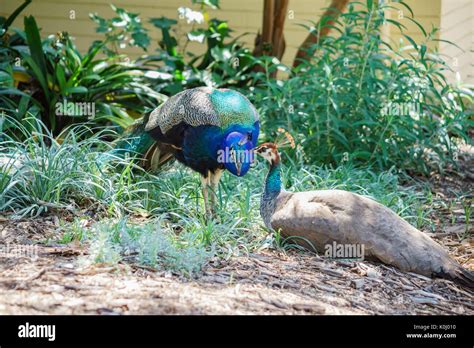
x=258 y=149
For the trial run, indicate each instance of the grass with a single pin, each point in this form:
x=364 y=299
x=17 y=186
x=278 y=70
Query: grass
x=75 y=175
x=152 y=244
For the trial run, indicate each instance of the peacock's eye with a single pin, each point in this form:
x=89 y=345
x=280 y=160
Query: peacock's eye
x=249 y=136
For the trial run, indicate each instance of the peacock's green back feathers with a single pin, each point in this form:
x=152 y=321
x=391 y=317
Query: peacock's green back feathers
x=203 y=106
x=233 y=108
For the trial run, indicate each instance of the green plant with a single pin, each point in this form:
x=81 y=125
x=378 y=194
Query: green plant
x=151 y=244
x=40 y=174
x=363 y=99
x=117 y=30
x=5 y=23
x=225 y=62
x=51 y=80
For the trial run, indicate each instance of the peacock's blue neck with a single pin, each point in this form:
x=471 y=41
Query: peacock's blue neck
x=273 y=181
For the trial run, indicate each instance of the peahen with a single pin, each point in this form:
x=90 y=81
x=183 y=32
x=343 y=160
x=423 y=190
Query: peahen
x=208 y=130
x=327 y=216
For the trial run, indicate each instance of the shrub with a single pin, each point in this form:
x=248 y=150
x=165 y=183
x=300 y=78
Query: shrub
x=362 y=99
x=224 y=63
x=45 y=77
x=51 y=80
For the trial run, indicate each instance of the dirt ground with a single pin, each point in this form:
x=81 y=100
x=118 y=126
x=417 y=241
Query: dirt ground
x=269 y=282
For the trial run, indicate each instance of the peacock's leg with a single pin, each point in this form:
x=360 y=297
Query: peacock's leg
x=205 y=182
x=215 y=178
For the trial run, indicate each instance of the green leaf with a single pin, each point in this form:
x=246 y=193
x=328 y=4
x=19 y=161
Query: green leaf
x=398 y=24
x=76 y=90
x=12 y=17
x=163 y=22
x=411 y=41
x=34 y=43
x=60 y=77
x=449 y=42
x=141 y=39
x=39 y=75
x=422 y=51
x=407 y=7
x=369 y=5
x=418 y=25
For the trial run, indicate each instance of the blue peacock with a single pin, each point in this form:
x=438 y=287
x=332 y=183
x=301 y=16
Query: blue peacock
x=208 y=130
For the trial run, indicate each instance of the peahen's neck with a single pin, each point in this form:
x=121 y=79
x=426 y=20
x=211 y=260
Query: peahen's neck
x=272 y=190
x=273 y=180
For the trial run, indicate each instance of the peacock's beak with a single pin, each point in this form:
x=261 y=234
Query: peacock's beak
x=238 y=167
x=242 y=141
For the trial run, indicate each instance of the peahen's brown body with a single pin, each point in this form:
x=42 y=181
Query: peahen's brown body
x=327 y=216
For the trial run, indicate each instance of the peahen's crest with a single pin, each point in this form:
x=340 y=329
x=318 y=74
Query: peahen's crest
x=284 y=138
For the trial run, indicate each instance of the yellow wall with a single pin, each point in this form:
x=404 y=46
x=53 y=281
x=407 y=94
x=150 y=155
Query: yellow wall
x=244 y=16
x=457 y=25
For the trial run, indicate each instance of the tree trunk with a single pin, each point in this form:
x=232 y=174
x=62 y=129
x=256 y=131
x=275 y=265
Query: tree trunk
x=278 y=40
x=271 y=42
x=327 y=19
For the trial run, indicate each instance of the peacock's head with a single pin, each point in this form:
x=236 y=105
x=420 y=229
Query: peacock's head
x=269 y=151
x=237 y=153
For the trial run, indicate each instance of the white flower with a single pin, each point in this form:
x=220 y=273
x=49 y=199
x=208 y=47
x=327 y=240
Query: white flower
x=190 y=15
x=198 y=38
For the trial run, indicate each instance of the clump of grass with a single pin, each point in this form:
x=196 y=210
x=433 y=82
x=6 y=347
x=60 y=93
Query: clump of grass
x=103 y=248
x=153 y=244
x=43 y=173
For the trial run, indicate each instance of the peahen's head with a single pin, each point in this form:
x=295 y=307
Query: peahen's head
x=269 y=151
x=237 y=149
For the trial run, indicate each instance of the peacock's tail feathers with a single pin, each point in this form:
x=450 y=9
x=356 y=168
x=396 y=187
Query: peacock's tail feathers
x=134 y=141
x=157 y=155
x=138 y=144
